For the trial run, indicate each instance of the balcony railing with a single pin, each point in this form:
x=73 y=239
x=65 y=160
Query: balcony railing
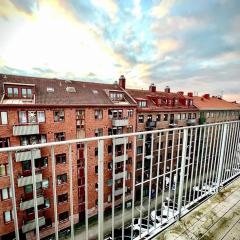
x=30 y=203
x=194 y=165
x=20 y=130
x=24 y=181
x=120 y=122
x=26 y=155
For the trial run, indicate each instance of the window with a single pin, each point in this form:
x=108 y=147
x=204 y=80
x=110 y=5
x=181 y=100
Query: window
x=139 y=150
x=109 y=199
x=115 y=114
x=178 y=116
x=158 y=118
x=4 y=142
x=98 y=114
x=45 y=183
x=22 y=117
x=63 y=216
x=31 y=116
x=12 y=92
x=109 y=149
x=110 y=166
x=96 y=169
x=142 y=104
x=3 y=118
x=149 y=117
x=26 y=92
x=190 y=102
x=26 y=165
x=61 y=158
x=165 y=117
x=140 y=119
x=98 y=132
x=58 y=116
x=96 y=151
x=130 y=112
x=183 y=116
x=130 y=129
x=7 y=216
x=116 y=96
x=176 y=101
x=61 y=179
x=33 y=139
x=41 y=162
x=6 y=193
x=63 y=198
x=140 y=136
x=4 y=170
x=80 y=119
x=59 y=136
x=129 y=146
x=41 y=116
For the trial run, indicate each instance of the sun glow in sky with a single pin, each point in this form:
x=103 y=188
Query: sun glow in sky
x=188 y=45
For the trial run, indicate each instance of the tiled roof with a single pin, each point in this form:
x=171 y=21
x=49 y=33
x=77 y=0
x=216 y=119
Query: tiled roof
x=87 y=93
x=139 y=94
x=213 y=103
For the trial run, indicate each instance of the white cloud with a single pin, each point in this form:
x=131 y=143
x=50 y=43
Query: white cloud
x=137 y=10
x=109 y=6
x=162 y=9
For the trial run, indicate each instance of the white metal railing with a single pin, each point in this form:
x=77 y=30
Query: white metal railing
x=183 y=167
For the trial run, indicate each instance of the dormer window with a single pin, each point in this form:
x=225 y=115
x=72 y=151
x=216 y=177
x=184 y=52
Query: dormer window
x=169 y=102
x=190 y=102
x=142 y=104
x=176 y=101
x=26 y=92
x=18 y=92
x=116 y=96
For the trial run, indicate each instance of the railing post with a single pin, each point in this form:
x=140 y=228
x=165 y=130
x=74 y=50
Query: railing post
x=35 y=194
x=100 y=189
x=182 y=173
x=71 y=190
x=15 y=217
x=224 y=137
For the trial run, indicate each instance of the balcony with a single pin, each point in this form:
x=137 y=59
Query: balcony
x=190 y=179
x=120 y=175
x=23 y=181
x=120 y=122
x=191 y=122
x=119 y=191
x=26 y=155
x=120 y=158
x=22 y=130
x=119 y=141
x=30 y=203
x=29 y=226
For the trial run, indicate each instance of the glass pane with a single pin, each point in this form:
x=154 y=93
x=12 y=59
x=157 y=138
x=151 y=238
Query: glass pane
x=4 y=117
x=4 y=193
x=41 y=116
x=7 y=216
x=32 y=117
x=10 y=92
x=22 y=117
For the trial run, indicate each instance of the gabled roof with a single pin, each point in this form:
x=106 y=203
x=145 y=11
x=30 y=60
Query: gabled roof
x=87 y=93
x=139 y=94
x=213 y=103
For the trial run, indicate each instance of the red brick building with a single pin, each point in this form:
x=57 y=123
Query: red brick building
x=38 y=110
x=159 y=110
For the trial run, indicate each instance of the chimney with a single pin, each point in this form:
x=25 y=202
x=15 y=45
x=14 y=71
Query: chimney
x=122 y=82
x=207 y=96
x=190 y=94
x=167 y=89
x=152 y=88
x=181 y=93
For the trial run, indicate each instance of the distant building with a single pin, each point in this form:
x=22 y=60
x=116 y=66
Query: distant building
x=215 y=109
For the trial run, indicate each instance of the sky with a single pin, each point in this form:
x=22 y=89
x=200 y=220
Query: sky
x=188 y=45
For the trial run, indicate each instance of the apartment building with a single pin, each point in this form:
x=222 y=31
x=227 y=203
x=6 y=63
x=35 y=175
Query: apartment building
x=215 y=109
x=39 y=110
x=160 y=110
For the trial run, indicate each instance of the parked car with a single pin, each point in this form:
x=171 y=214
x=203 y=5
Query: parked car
x=161 y=217
x=142 y=226
x=118 y=234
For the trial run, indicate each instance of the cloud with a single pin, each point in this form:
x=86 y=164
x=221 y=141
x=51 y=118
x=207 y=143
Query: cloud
x=162 y=9
x=109 y=6
x=167 y=45
x=28 y=6
x=137 y=10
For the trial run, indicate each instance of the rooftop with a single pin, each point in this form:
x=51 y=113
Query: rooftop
x=213 y=103
x=64 y=92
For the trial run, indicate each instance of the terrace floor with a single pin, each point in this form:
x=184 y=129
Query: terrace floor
x=217 y=218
